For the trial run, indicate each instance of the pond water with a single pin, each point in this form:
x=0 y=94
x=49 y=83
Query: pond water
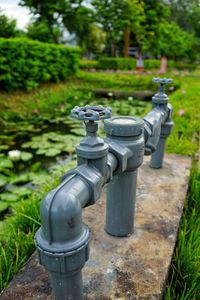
x=31 y=148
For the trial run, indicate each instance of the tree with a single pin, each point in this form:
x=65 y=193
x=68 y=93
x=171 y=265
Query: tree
x=117 y=18
x=173 y=42
x=56 y=14
x=186 y=13
x=94 y=42
x=80 y=21
x=39 y=30
x=163 y=37
x=7 y=26
x=154 y=16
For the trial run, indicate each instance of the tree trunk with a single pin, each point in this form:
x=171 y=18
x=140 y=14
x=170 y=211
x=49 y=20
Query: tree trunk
x=126 y=41
x=163 y=65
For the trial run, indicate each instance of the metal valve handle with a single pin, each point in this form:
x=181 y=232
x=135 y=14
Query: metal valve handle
x=162 y=82
x=91 y=113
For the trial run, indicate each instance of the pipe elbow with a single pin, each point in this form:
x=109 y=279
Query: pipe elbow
x=62 y=228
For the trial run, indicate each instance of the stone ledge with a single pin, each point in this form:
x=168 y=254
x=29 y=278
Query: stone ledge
x=132 y=268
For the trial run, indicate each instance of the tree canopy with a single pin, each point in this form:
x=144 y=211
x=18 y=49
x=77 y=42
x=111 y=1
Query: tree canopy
x=169 y=28
x=7 y=26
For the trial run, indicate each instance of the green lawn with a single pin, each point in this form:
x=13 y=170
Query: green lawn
x=17 y=232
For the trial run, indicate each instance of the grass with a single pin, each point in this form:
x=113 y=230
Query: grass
x=16 y=239
x=51 y=95
x=18 y=230
x=184 y=276
x=184 y=279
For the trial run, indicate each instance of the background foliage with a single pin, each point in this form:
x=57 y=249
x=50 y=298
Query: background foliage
x=26 y=64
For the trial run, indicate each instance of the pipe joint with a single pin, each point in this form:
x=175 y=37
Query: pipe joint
x=93 y=178
x=112 y=165
x=121 y=153
x=166 y=129
x=126 y=141
x=64 y=263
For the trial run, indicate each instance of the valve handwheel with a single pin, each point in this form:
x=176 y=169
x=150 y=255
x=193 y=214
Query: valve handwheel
x=162 y=82
x=91 y=113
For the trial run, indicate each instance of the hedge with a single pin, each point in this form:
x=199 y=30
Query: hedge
x=88 y=64
x=26 y=64
x=116 y=63
x=182 y=65
x=120 y=63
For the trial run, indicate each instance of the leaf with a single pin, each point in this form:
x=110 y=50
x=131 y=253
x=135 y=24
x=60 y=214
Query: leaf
x=3 y=206
x=78 y=131
x=3 y=180
x=6 y=163
x=4 y=147
x=22 y=178
x=39 y=179
x=52 y=152
x=36 y=166
x=25 y=156
x=41 y=151
x=21 y=191
x=9 y=197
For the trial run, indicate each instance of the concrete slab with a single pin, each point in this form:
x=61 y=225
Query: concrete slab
x=132 y=268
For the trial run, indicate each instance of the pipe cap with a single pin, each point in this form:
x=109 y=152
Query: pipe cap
x=124 y=126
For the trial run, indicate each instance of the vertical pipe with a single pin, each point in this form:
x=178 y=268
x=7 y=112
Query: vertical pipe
x=67 y=287
x=157 y=157
x=121 y=193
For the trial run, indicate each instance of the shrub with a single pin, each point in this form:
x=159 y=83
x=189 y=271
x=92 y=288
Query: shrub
x=150 y=64
x=26 y=64
x=182 y=65
x=121 y=63
x=118 y=63
x=88 y=64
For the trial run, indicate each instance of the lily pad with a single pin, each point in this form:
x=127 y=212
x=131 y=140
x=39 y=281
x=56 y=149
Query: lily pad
x=39 y=178
x=22 y=178
x=3 y=180
x=41 y=151
x=9 y=197
x=3 y=206
x=25 y=156
x=36 y=166
x=22 y=191
x=4 y=147
x=78 y=131
x=5 y=163
x=53 y=152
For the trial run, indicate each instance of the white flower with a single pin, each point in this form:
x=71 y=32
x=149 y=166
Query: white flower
x=14 y=154
x=130 y=98
x=110 y=94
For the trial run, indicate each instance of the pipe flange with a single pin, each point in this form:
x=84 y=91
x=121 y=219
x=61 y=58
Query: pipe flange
x=66 y=262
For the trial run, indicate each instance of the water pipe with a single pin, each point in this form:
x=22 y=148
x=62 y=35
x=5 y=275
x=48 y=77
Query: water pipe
x=158 y=124
x=63 y=239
